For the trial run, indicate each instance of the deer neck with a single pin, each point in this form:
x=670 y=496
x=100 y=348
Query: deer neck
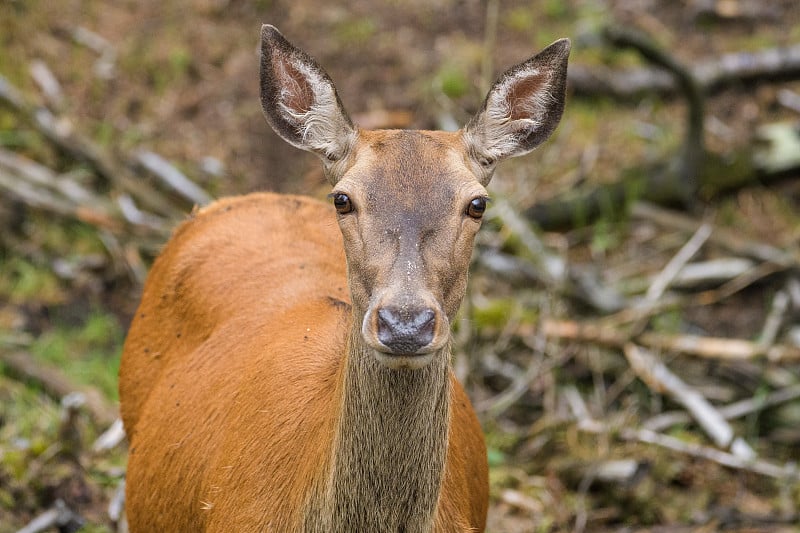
x=389 y=448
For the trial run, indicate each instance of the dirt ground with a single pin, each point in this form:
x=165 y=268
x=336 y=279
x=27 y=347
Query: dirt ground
x=180 y=78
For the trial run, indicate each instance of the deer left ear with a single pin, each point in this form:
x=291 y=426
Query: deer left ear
x=522 y=108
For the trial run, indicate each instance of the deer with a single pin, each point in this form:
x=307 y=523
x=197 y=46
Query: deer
x=288 y=368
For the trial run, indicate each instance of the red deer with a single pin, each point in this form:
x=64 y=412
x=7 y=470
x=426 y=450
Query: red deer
x=288 y=368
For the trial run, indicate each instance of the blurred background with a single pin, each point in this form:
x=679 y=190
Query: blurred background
x=631 y=334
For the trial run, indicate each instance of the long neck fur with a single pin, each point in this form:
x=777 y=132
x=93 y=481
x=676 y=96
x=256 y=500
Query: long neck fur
x=389 y=449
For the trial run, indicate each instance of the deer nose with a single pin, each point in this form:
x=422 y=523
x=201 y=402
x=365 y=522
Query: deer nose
x=405 y=331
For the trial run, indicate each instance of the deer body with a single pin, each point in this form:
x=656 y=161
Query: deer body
x=288 y=368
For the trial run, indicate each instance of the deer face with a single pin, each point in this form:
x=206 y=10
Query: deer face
x=408 y=208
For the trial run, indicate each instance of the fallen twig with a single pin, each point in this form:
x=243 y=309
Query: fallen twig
x=734 y=242
x=587 y=424
x=110 y=438
x=693 y=152
x=660 y=379
x=104 y=66
x=496 y=405
x=713 y=75
x=676 y=264
x=670 y=272
x=42 y=188
x=63 y=136
x=759 y=466
x=775 y=318
x=116 y=508
x=59 y=515
x=699 y=346
x=711 y=272
x=47 y=82
x=549 y=267
x=732 y=411
x=56 y=385
x=172 y=177
x=582 y=283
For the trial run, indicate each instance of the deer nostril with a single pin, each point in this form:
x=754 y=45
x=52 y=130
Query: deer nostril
x=405 y=332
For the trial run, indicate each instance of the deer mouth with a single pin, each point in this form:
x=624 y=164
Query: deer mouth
x=408 y=362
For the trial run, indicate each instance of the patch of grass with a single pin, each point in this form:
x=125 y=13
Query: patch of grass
x=668 y=322
x=23 y=281
x=28 y=418
x=88 y=353
x=32 y=468
x=62 y=239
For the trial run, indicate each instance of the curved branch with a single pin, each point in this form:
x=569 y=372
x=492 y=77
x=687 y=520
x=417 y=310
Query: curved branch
x=713 y=75
x=693 y=151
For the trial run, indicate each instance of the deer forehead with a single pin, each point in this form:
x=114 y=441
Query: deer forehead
x=397 y=172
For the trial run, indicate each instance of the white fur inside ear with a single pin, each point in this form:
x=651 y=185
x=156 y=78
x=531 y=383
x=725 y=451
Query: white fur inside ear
x=515 y=107
x=320 y=121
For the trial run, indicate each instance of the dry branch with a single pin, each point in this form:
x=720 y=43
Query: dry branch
x=738 y=409
x=677 y=179
x=172 y=177
x=711 y=272
x=660 y=379
x=60 y=516
x=40 y=187
x=549 y=267
x=587 y=424
x=693 y=151
x=758 y=466
x=61 y=134
x=706 y=347
x=713 y=75
x=110 y=438
x=57 y=385
x=581 y=284
x=735 y=242
x=520 y=383
x=660 y=283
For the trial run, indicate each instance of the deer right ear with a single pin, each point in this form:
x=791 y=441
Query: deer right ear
x=299 y=99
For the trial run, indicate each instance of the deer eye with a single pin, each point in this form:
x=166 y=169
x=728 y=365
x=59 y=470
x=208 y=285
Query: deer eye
x=476 y=207
x=342 y=203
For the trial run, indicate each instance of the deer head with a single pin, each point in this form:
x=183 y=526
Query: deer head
x=409 y=203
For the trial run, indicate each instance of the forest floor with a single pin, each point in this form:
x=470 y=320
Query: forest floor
x=584 y=432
